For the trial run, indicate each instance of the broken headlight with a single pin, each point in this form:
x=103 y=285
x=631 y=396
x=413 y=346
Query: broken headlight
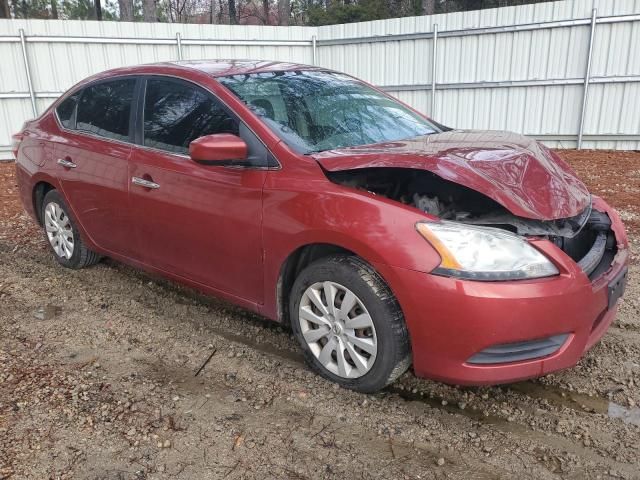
x=483 y=253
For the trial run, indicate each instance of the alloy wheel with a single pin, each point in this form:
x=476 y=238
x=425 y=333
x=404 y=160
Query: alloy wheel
x=338 y=329
x=59 y=230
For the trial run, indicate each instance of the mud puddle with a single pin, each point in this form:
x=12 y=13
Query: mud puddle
x=627 y=415
x=578 y=401
x=442 y=403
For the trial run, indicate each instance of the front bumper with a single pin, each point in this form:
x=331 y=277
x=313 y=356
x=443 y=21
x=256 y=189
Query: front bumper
x=451 y=320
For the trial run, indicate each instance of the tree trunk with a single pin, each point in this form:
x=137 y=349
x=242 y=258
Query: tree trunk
x=98 y=10
x=233 y=16
x=284 y=11
x=428 y=7
x=54 y=9
x=220 y=11
x=4 y=9
x=126 y=10
x=149 y=11
x=265 y=11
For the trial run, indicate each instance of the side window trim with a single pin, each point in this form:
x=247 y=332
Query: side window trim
x=136 y=121
x=138 y=124
x=135 y=104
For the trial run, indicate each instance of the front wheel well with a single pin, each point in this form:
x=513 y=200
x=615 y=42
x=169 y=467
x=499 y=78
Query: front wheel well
x=294 y=264
x=39 y=192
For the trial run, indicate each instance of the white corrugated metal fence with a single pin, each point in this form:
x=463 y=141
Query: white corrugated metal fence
x=513 y=68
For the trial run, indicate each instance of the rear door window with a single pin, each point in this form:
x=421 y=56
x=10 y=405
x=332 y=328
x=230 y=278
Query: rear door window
x=176 y=113
x=105 y=109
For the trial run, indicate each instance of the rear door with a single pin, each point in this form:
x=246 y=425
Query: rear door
x=200 y=222
x=91 y=160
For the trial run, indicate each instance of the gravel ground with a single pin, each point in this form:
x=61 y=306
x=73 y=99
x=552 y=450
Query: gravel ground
x=98 y=380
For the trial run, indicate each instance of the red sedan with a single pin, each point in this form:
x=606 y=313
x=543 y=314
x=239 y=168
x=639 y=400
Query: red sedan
x=316 y=200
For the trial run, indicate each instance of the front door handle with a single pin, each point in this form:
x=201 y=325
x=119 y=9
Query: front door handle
x=141 y=182
x=66 y=163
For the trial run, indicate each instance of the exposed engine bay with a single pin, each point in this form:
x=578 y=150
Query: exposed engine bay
x=587 y=238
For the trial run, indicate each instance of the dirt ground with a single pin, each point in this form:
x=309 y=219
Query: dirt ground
x=97 y=380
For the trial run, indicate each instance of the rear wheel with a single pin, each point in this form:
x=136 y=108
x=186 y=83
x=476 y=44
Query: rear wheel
x=349 y=324
x=62 y=234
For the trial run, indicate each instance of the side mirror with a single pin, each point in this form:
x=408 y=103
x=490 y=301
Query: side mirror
x=219 y=149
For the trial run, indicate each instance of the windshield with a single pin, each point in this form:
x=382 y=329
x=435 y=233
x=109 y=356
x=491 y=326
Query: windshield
x=315 y=111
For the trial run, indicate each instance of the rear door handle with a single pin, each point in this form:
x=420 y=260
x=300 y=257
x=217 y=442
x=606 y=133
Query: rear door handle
x=66 y=163
x=141 y=182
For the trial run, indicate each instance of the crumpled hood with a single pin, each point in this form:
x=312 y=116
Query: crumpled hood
x=519 y=173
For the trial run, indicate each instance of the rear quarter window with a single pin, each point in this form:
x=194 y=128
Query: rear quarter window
x=66 y=111
x=105 y=109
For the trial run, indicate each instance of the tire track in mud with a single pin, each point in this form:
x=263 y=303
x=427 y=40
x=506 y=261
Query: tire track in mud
x=394 y=456
x=390 y=457
x=284 y=349
x=555 y=394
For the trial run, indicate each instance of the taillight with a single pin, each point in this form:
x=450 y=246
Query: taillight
x=16 y=139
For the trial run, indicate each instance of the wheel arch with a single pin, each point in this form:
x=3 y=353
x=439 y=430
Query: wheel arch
x=40 y=190
x=303 y=256
x=294 y=263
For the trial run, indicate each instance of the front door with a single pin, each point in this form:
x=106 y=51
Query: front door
x=200 y=222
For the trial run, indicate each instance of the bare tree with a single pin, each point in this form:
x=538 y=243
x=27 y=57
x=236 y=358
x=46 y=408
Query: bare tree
x=183 y=11
x=149 y=11
x=265 y=11
x=126 y=10
x=4 y=9
x=428 y=7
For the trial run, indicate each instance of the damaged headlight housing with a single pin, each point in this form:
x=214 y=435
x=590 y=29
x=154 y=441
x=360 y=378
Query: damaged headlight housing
x=484 y=253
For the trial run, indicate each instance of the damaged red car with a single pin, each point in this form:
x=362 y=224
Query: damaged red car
x=383 y=238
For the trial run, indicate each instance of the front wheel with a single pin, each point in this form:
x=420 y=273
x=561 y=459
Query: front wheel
x=349 y=324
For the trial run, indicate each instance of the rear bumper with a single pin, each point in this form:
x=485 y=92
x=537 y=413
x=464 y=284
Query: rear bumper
x=451 y=320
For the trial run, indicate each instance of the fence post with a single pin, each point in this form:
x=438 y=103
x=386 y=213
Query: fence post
x=27 y=71
x=434 y=66
x=179 y=45
x=587 y=77
x=314 y=47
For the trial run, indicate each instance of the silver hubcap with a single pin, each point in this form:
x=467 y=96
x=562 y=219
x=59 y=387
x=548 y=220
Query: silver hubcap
x=338 y=329
x=59 y=231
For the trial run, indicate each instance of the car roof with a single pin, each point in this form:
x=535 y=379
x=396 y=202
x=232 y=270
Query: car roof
x=220 y=68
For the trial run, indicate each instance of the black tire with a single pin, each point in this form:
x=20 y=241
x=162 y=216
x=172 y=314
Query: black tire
x=393 y=349
x=81 y=256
